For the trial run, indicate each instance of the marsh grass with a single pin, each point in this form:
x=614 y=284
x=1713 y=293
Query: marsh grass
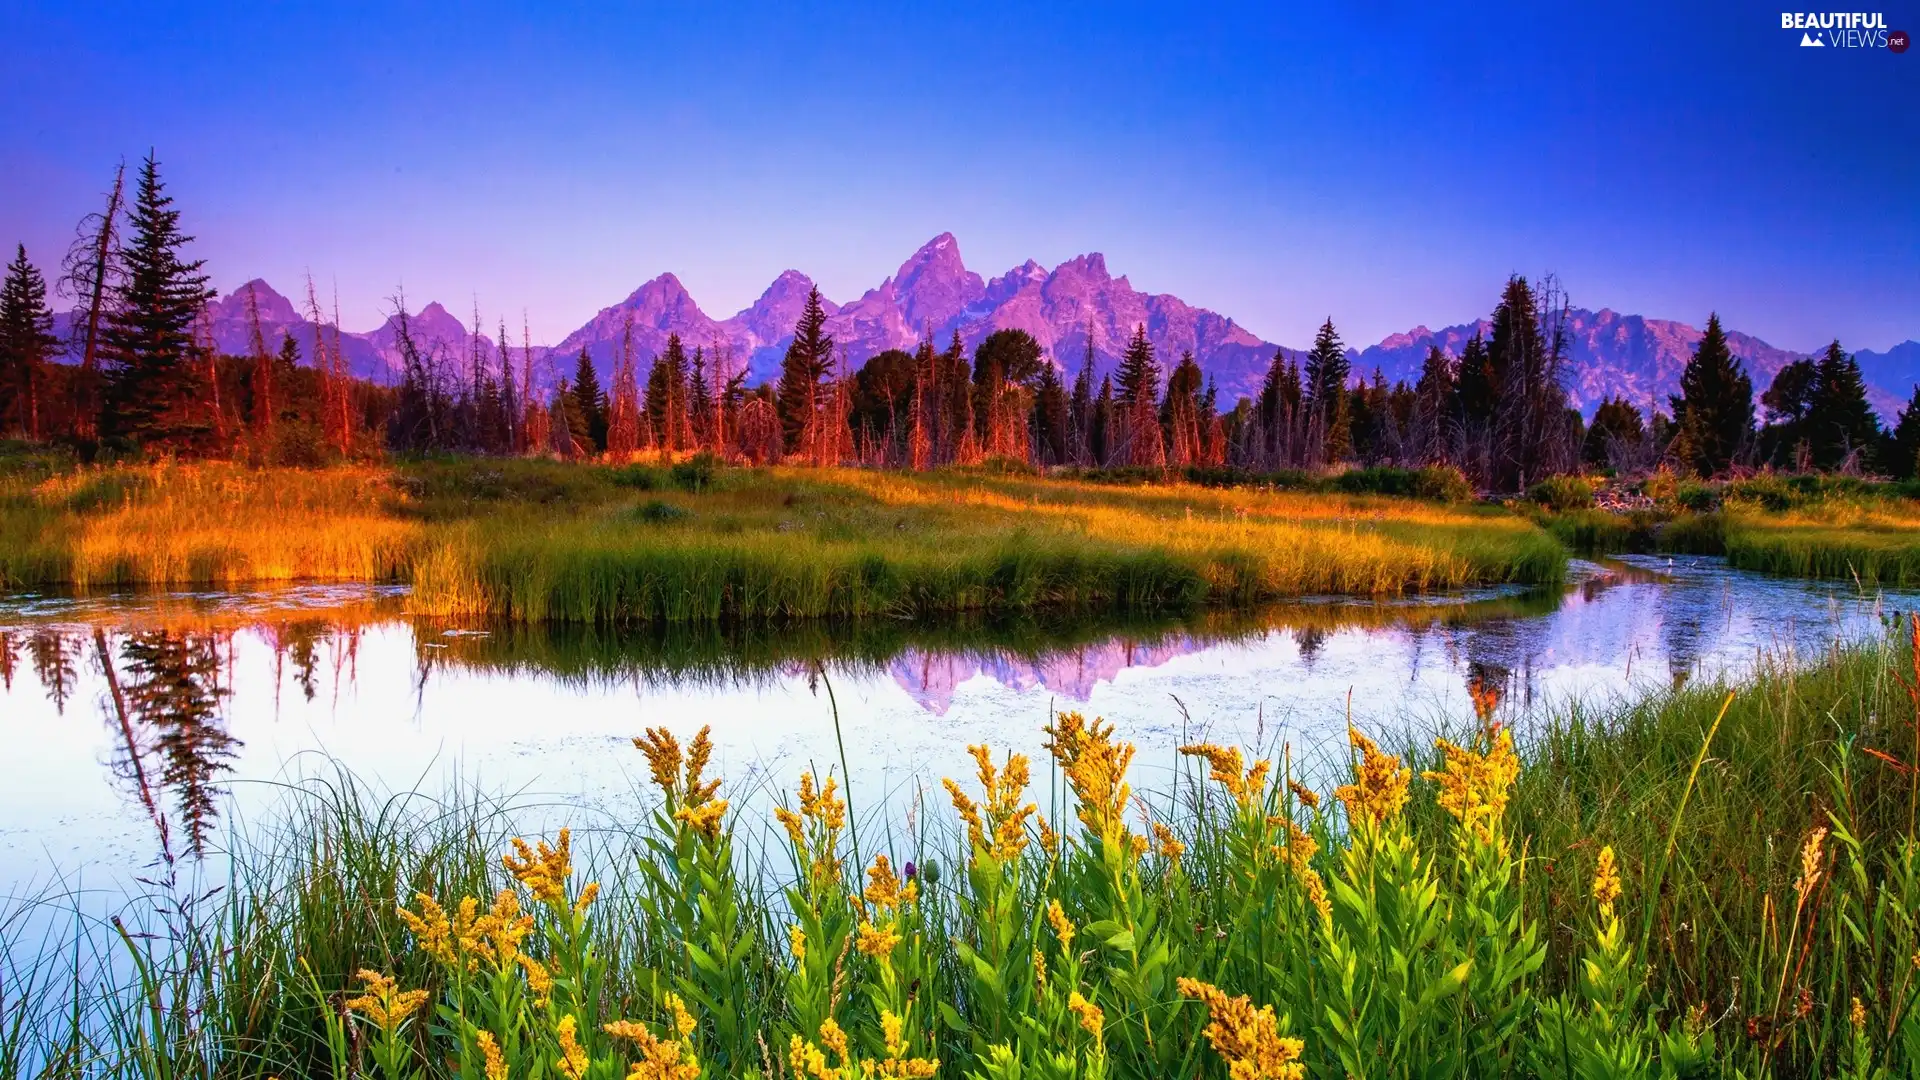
x=548 y=541
x=1762 y=833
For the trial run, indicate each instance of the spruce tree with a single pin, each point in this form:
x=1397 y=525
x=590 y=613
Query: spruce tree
x=1904 y=444
x=1138 y=378
x=1714 y=409
x=808 y=358
x=1435 y=403
x=154 y=393
x=589 y=403
x=26 y=346
x=1326 y=392
x=1788 y=401
x=1478 y=383
x=667 y=395
x=1616 y=426
x=1840 y=423
x=1050 y=416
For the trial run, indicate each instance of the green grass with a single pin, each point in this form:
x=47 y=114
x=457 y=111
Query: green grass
x=536 y=540
x=1732 y=796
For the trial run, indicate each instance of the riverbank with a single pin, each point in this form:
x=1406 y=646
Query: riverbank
x=536 y=540
x=1735 y=909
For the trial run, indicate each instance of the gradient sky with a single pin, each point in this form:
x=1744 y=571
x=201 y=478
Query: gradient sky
x=1385 y=163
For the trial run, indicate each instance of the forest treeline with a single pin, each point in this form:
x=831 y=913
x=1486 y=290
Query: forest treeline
x=144 y=376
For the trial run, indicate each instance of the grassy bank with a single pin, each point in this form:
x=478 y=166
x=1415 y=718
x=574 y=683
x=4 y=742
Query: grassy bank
x=549 y=541
x=1679 y=886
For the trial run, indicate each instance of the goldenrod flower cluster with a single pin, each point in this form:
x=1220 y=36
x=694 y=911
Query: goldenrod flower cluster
x=876 y=941
x=1298 y=852
x=1475 y=787
x=1062 y=926
x=1224 y=767
x=384 y=1003
x=682 y=788
x=1379 y=790
x=807 y=1061
x=468 y=936
x=542 y=872
x=1810 y=862
x=1096 y=769
x=886 y=890
x=496 y=1064
x=1248 y=1039
x=660 y=1058
x=703 y=819
x=1092 y=1020
x=997 y=825
x=815 y=830
x=1606 y=883
x=573 y=1061
x=1168 y=845
x=1306 y=795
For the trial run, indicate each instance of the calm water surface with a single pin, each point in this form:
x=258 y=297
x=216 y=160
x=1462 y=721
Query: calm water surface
x=124 y=716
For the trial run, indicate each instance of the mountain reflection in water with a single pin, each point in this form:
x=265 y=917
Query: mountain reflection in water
x=187 y=694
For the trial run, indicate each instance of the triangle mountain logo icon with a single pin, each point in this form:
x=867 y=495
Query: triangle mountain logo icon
x=1808 y=40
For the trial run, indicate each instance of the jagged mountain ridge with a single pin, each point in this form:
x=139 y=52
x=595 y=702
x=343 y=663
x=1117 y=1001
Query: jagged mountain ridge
x=934 y=293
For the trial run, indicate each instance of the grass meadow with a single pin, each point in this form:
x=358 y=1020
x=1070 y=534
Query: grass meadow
x=551 y=541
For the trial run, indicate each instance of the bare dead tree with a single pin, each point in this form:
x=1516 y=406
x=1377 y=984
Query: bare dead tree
x=262 y=369
x=87 y=278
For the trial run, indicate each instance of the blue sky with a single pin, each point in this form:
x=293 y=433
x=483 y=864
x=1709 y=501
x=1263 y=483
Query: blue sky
x=1387 y=164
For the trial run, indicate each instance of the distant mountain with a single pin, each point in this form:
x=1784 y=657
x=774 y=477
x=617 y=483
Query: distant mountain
x=933 y=293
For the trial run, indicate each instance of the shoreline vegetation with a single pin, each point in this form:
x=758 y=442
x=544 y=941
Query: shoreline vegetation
x=697 y=542
x=1710 y=881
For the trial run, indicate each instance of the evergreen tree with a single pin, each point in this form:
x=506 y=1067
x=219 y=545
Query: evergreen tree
x=1840 y=423
x=1101 y=437
x=589 y=403
x=1050 y=416
x=154 y=393
x=1326 y=393
x=804 y=368
x=667 y=395
x=173 y=691
x=1478 y=383
x=1904 y=445
x=700 y=399
x=1616 y=427
x=1138 y=377
x=1714 y=409
x=1436 y=401
x=26 y=346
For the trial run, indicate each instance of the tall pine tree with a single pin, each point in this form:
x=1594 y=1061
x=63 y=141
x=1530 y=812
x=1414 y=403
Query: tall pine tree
x=1840 y=423
x=809 y=357
x=154 y=391
x=1326 y=393
x=26 y=346
x=1714 y=409
x=589 y=403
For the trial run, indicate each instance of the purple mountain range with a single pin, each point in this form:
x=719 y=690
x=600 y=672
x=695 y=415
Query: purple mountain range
x=934 y=294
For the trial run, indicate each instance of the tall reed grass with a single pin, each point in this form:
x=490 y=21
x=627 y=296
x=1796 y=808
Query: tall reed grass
x=1714 y=881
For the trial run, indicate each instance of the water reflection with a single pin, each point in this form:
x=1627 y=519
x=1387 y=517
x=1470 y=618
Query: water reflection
x=195 y=693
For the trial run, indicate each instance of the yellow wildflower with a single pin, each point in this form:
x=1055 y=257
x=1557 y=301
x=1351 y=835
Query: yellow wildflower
x=1091 y=1018
x=1379 y=789
x=1810 y=862
x=539 y=979
x=1166 y=843
x=431 y=929
x=384 y=1003
x=683 y=1022
x=1858 y=1015
x=1049 y=840
x=699 y=791
x=797 y=941
x=1606 y=883
x=897 y=1063
x=1062 y=926
x=587 y=896
x=806 y=1060
x=660 y=1059
x=834 y=1038
x=1248 y=1039
x=997 y=825
x=1096 y=769
x=1224 y=768
x=796 y=829
x=572 y=1062
x=883 y=887
x=1475 y=787
x=876 y=941
x=1039 y=969
x=1316 y=891
x=705 y=818
x=1304 y=794
x=497 y=934
x=544 y=872
x=496 y=1068
x=663 y=758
